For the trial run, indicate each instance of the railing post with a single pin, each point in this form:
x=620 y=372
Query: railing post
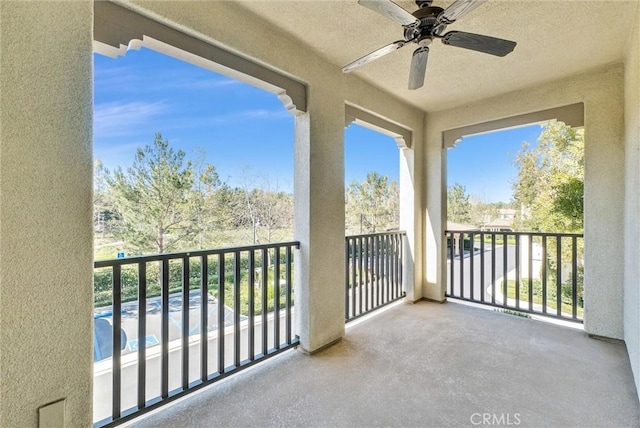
x=142 y=333
x=204 y=318
x=472 y=257
x=185 y=322
x=482 y=280
x=164 y=287
x=517 y=285
x=451 y=249
x=117 y=345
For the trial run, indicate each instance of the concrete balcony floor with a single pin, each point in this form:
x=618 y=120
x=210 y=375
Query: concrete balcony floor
x=428 y=364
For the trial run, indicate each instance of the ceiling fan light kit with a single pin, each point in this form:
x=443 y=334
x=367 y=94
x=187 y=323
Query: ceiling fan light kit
x=424 y=25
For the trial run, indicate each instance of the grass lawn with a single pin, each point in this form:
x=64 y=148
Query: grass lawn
x=106 y=251
x=107 y=247
x=552 y=303
x=511 y=239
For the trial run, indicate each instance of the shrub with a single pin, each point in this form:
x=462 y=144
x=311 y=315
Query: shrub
x=103 y=281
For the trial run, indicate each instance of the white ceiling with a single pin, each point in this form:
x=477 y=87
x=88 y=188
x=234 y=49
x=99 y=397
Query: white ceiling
x=556 y=38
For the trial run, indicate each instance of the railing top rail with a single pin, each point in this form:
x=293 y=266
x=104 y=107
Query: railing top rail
x=367 y=235
x=478 y=232
x=196 y=253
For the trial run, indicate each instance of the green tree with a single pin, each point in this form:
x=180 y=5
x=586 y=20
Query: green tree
x=266 y=212
x=550 y=189
x=275 y=210
x=550 y=183
x=372 y=206
x=458 y=204
x=393 y=205
x=105 y=216
x=203 y=201
x=158 y=199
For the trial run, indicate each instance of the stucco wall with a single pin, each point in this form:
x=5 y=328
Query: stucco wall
x=601 y=91
x=45 y=187
x=632 y=201
x=46 y=239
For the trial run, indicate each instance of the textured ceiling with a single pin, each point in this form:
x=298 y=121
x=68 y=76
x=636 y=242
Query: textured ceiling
x=556 y=38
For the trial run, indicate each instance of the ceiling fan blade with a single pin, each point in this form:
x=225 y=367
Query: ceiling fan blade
x=477 y=42
x=418 y=68
x=373 y=56
x=392 y=11
x=457 y=10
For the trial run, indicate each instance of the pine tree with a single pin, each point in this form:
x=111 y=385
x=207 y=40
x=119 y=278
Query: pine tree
x=157 y=198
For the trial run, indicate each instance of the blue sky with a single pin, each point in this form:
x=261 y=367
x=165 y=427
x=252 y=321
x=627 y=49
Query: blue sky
x=239 y=126
x=484 y=163
x=244 y=128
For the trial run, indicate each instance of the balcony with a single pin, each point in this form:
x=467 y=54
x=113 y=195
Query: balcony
x=456 y=364
x=429 y=364
x=425 y=364
x=178 y=322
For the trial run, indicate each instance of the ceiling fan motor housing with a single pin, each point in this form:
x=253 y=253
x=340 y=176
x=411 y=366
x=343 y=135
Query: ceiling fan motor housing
x=428 y=16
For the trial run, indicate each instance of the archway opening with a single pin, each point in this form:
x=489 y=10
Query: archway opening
x=515 y=219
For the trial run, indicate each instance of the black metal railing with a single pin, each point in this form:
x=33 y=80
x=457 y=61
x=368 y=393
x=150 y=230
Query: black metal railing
x=374 y=264
x=177 y=322
x=530 y=272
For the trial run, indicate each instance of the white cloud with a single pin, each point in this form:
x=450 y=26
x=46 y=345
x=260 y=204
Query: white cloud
x=259 y=114
x=208 y=83
x=121 y=119
x=115 y=79
x=126 y=79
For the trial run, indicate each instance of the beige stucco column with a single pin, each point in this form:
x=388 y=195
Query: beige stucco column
x=435 y=257
x=46 y=235
x=409 y=222
x=632 y=200
x=319 y=217
x=604 y=204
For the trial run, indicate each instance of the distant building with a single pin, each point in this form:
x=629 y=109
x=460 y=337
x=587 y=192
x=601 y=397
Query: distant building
x=453 y=246
x=503 y=222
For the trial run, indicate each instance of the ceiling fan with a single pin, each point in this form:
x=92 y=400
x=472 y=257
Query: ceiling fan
x=424 y=25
